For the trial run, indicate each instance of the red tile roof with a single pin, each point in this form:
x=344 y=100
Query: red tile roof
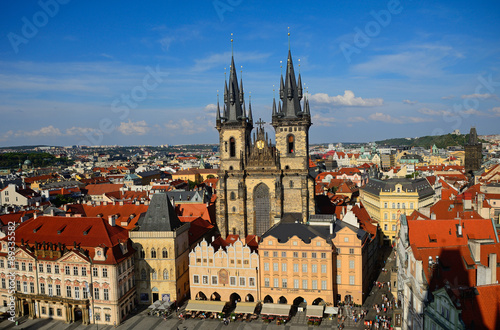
x=446 y=231
x=100 y=189
x=71 y=230
x=482 y=310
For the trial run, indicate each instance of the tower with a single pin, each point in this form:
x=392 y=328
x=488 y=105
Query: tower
x=473 y=153
x=234 y=128
x=260 y=182
x=291 y=123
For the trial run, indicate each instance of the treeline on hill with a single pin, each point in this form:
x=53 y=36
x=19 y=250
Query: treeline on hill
x=38 y=159
x=441 y=141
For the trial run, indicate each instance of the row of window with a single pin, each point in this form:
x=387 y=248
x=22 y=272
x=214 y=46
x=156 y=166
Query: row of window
x=107 y=317
x=386 y=227
x=295 y=243
x=152 y=253
x=232 y=280
x=314 y=255
x=77 y=271
x=398 y=205
x=393 y=216
x=154 y=275
x=314 y=268
x=50 y=290
x=296 y=282
x=210 y=261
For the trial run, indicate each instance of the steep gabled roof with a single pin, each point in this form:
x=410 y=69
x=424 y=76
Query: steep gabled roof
x=160 y=216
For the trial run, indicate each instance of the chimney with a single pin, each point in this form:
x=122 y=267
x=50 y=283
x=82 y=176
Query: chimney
x=111 y=220
x=35 y=215
x=52 y=212
x=430 y=261
x=492 y=257
x=121 y=202
x=433 y=216
x=331 y=228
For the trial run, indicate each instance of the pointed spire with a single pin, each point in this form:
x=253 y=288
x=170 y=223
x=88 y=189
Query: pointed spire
x=282 y=88
x=250 y=116
x=274 y=107
x=299 y=85
x=218 y=107
x=279 y=107
x=244 y=116
x=291 y=101
x=241 y=85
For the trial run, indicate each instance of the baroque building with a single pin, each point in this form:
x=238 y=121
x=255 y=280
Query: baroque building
x=260 y=182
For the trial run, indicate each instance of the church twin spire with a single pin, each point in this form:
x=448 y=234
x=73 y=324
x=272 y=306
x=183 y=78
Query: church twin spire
x=290 y=93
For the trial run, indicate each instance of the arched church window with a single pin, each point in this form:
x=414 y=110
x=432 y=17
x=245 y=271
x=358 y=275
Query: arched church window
x=164 y=253
x=153 y=253
x=142 y=253
x=165 y=274
x=234 y=209
x=232 y=147
x=291 y=144
x=154 y=275
x=233 y=196
x=291 y=184
x=143 y=274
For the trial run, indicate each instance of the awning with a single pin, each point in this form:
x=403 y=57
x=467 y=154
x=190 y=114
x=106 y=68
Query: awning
x=315 y=310
x=205 y=306
x=155 y=304
x=276 y=309
x=245 y=307
x=331 y=310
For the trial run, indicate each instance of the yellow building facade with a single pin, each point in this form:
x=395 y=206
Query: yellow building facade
x=226 y=274
x=385 y=200
x=162 y=244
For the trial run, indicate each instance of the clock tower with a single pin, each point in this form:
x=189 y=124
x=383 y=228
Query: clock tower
x=259 y=182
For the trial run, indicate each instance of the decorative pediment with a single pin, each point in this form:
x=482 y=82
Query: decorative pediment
x=72 y=257
x=21 y=254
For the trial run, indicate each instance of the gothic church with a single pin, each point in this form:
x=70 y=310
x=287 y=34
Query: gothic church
x=260 y=182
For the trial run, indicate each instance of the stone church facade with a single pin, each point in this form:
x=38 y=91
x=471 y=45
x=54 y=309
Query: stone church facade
x=260 y=181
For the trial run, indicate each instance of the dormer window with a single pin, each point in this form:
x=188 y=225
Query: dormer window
x=99 y=253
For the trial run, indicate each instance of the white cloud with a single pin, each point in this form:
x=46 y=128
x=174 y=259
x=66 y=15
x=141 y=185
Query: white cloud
x=133 y=128
x=319 y=120
x=378 y=116
x=79 y=130
x=184 y=126
x=356 y=119
x=410 y=102
x=449 y=97
x=411 y=61
x=473 y=112
x=431 y=112
x=210 y=108
x=348 y=99
x=479 y=96
x=44 y=131
x=495 y=111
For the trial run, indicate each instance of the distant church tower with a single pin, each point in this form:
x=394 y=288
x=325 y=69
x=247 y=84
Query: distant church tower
x=473 y=153
x=259 y=182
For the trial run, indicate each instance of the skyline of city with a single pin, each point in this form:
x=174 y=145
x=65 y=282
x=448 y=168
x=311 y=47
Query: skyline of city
x=149 y=75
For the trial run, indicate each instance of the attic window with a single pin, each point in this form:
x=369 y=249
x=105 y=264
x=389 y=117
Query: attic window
x=60 y=230
x=432 y=238
x=86 y=231
x=37 y=229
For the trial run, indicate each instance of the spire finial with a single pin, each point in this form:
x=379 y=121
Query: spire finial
x=225 y=76
x=299 y=65
x=281 y=67
x=232 y=51
x=274 y=92
x=288 y=38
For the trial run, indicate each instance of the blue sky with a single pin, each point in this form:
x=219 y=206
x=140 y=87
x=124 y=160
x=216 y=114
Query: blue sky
x=134 y=73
